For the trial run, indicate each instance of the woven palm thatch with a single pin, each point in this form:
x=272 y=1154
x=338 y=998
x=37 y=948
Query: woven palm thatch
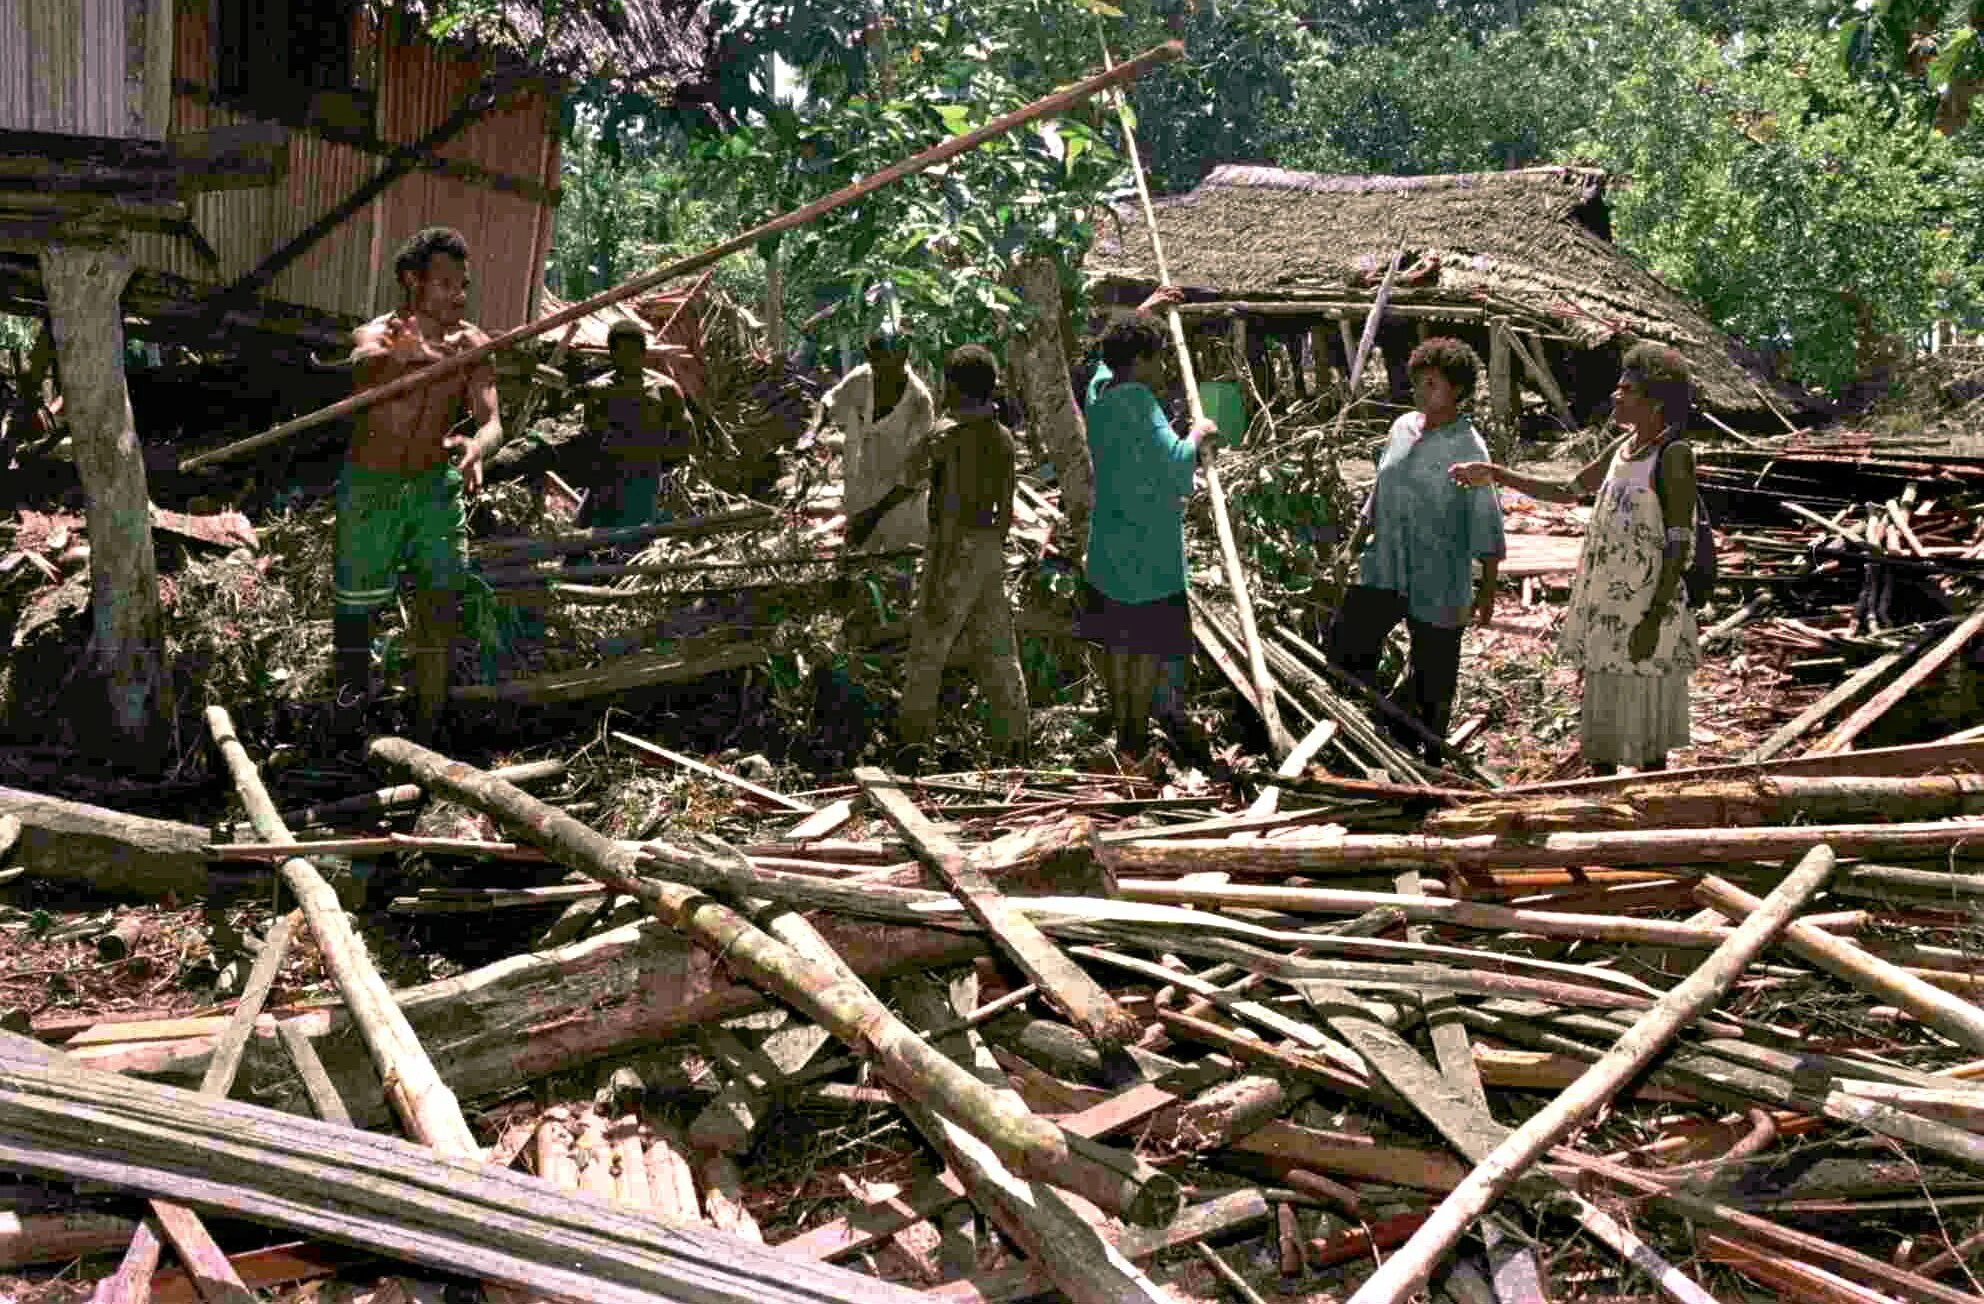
x=1532 y=244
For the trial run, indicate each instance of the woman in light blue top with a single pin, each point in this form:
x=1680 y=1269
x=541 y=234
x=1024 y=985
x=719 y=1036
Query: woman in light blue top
x=1421 y=534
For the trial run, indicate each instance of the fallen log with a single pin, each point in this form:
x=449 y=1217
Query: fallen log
x=1032 y=1146
x=32 y=1238
x=1031 y=1214
x=1695 y=995
x=1723 y=803
x=508 y=551
x=379 y=1193
x=422 y=1101
x=73 y=841
x=1946 y=1012
x=1663 y=847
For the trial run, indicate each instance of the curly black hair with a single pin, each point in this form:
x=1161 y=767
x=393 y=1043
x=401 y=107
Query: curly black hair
x=975 y=372
x=1662 y=375
x=1452 y=358
x=422 y=245
x=1131 y=336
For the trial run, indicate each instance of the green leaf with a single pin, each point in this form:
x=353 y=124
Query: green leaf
x=956 y=117
x=1942 y=68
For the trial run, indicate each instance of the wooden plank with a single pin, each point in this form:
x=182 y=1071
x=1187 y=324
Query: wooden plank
x=737 y=781
x=822 y=822
x=1456 y=1106
x=381 y=1194
x=1069 y=989
x=641 y=670
x=1919 y=670
x=278 y=1265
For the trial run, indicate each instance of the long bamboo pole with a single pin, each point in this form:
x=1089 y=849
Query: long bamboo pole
x=1407 y=1270
x=423 y=1102
x=929 y=158
x=1280 y=741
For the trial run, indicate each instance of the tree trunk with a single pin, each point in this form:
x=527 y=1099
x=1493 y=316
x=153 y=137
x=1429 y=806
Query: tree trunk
x=84 y=285
x=73 y=841
x=1054 y=423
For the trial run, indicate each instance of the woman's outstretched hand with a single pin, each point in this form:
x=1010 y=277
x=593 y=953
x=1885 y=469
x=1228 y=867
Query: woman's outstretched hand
x=1472 y=475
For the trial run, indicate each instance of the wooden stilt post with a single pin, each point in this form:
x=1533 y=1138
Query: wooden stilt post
x=84 y=285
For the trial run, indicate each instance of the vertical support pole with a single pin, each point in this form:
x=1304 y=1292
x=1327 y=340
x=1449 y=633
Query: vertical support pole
x=1319 y=356
x=774 y=297
x=1054 y=423
x=1236 y=335
x=84 y=285
x=1501 y=380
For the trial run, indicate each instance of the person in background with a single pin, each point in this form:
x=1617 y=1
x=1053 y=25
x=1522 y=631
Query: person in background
x=1629 y=627
x=645 y=434
x=969 y=464
x=883 y=409
x=1421 y=533
x=1136 y=550
x=400 y=495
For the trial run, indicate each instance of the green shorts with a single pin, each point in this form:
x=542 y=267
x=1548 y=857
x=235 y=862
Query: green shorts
x=389 y=522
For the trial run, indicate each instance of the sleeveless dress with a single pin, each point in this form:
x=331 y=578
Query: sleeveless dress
x=1634 y=712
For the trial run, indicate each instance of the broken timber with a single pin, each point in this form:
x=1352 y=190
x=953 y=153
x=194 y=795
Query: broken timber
x=1062 y=982
x=380 y=1193
x=1031 y=1145
x=1407 y=1270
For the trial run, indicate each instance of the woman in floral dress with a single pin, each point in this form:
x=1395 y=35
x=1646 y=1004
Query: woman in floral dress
x=1629 y=627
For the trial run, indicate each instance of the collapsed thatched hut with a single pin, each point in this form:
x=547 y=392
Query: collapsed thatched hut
x=1521 y=263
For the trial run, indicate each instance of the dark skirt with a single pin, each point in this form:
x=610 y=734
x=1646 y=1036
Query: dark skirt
x=1160 y=629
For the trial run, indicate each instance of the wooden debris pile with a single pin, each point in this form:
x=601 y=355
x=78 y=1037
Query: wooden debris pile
x=1022 y=1032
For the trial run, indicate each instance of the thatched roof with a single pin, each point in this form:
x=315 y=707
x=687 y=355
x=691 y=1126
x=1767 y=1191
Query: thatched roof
x=661 y=47
x=1529 y=243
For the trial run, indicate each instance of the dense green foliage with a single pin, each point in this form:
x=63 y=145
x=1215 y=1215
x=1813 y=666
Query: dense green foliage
x=1782 y=188
x=1794 y=164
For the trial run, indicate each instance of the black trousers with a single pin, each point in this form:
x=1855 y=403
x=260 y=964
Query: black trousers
x=1357 y=638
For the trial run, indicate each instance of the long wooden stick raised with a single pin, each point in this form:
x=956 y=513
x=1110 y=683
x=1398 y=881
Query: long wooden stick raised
x=1040 y=108
x=1279 y=739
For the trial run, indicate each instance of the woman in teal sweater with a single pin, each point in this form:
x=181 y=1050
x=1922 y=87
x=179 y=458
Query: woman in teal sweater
x=1136 y=545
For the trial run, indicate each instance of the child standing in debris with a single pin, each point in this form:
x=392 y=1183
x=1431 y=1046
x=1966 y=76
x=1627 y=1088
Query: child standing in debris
x=644 y=434
x=883 y=409
x=400 y=496
x=1426 y=529
x=1136 y=544
x=969 y=465
x=1629 y=627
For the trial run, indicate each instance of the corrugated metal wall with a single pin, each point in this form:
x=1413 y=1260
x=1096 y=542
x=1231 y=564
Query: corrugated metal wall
x=64 y=65
x=419 y=87
x=350 y=270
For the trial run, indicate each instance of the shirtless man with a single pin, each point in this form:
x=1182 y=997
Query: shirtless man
x=400 y=495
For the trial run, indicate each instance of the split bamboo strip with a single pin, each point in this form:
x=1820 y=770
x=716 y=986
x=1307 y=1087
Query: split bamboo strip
x=1694 y=996
x=1946 y=1012
x=1031 y=1145
x=1040 y=108
x=421 y=1099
